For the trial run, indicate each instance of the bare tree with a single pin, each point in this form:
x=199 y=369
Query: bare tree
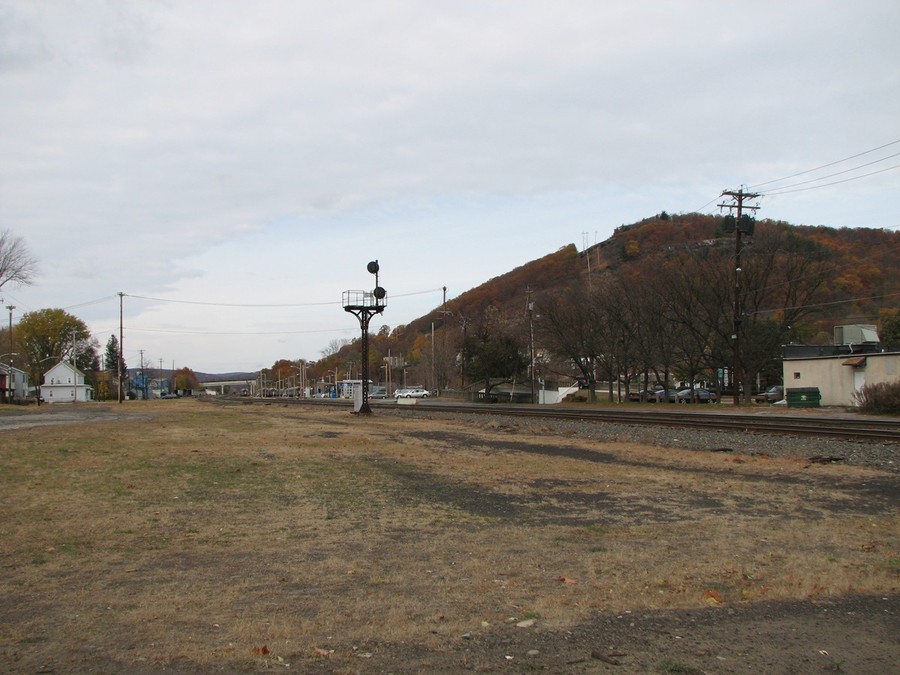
x=334 y=347
x=17 y=265
x=567 y=328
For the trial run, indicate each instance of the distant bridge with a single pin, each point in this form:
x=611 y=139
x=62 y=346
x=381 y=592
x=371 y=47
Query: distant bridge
x=222 y=385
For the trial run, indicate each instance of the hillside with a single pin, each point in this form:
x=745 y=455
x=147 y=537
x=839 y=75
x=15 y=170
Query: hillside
x=863 y=272
x=798 y=283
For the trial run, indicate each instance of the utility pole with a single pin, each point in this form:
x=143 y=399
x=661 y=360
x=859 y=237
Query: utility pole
x=529 y=305
x=121 y=351
x=464 y=322
x=11 y=350
x=9 y=387
x=740 y=224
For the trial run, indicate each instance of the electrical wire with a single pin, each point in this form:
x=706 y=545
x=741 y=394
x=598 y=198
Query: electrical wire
x=825 y=166
x=265 y=305
x=823 y=304
x=783 y=191
x=788 y=189
x=837 y=173
x=90 y=302
x=230 y=304
x=267 y=332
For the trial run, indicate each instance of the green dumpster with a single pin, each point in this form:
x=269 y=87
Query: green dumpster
x=803 y=397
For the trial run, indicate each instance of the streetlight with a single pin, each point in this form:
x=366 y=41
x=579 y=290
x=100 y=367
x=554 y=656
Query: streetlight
x=302 y=385
x=364 y=305
x=41 y=375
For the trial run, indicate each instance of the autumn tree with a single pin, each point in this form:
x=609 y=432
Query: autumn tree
x=49 y=333
x=282 y=369
x=185 y=378
x=17 y=265
x=890 y=329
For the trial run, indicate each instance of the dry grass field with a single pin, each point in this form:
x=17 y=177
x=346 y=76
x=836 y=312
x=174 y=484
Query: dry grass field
x=197 y=537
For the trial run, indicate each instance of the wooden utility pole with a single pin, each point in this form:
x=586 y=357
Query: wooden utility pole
x=119 y=369
x=529 y=308
x=742 y=224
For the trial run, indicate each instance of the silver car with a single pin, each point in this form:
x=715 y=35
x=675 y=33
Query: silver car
x=414 y=392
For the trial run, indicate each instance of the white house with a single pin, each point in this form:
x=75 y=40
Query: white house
x=64 y=383
x=13 y=383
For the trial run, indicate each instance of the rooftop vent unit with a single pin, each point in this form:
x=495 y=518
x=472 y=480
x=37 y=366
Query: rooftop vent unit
x=856 y=334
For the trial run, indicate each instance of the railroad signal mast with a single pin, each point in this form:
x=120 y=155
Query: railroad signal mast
x=364 y=305
x=740 y=223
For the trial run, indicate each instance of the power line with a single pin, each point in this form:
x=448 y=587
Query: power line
x=825 y=166
x=780 y=191
x=90 y=302
x=837 y=173
x=267 y=332
x=266 y=305
x=230 y=304
x=825 y=304
x=787 y=189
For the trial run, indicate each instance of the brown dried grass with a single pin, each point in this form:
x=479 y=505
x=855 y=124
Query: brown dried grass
x=199 y=534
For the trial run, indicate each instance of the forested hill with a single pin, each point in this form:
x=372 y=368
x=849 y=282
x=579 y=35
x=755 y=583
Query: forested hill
x=857 y=269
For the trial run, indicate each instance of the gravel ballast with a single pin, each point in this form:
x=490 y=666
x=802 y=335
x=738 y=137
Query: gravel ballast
x=871 y=454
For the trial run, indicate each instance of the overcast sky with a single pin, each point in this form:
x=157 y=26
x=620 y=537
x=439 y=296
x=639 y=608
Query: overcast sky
x=200 y=154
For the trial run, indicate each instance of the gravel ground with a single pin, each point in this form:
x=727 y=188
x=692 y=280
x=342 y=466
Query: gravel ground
x=884 y=456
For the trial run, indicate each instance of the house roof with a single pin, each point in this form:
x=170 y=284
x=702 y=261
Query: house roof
x=66 y=366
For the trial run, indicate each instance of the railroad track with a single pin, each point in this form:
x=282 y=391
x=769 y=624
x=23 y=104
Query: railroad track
x=873 y=430
x=851 y=427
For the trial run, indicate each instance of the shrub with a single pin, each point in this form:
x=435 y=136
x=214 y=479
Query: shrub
x=883 y=397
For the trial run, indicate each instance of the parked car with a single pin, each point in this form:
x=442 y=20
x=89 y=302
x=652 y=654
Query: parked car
x=698 y=395
x=378 y=392
x=664 y=396
x=770 y=395
x=643 y=395
x=414 y=392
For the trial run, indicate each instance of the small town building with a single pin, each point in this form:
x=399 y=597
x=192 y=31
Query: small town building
x=840 y=370
x=13 y=384
x=64 y=383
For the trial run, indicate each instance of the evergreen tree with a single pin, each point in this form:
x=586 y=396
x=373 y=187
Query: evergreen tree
x=112 y=355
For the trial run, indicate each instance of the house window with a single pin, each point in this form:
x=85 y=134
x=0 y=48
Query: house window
x=796 y=376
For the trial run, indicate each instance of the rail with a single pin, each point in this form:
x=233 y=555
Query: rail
x=850 y=427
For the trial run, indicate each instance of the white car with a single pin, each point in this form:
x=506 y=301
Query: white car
x=415 y=392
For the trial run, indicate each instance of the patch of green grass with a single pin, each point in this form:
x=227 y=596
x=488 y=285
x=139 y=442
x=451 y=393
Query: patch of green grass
x=672 y=666
x=68 y=548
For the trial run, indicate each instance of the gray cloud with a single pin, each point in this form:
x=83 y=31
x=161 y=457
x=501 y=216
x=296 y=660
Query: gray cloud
x=166 y=134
